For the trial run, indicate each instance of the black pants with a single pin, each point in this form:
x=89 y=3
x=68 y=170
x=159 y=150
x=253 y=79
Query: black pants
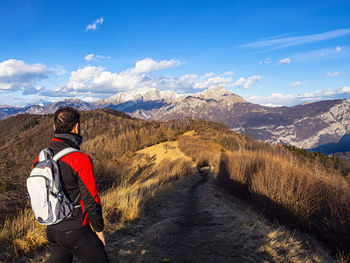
x=83 y=243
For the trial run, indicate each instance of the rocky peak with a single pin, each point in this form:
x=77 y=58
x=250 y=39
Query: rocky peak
x=144 y=94
x=220 y=94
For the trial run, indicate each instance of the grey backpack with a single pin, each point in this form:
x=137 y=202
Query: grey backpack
x=49 y=203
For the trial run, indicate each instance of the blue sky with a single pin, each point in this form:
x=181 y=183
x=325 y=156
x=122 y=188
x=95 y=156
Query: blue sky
x=269 y=52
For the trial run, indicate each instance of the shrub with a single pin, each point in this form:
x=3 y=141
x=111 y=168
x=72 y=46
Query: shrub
x=30 y=124
x=203 y=152
x=229 y=142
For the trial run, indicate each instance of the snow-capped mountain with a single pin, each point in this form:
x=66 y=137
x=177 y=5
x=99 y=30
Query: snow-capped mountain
x=150 y=103
x=143 y=94
x=7 y=111
x=75 y=103
x=307 y=125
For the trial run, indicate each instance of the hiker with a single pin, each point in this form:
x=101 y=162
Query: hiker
x=74 y=235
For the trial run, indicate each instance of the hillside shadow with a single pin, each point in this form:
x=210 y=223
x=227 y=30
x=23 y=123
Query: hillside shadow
x=131 y=106
x=272 y=210
x=343 y=145
x=277 y=213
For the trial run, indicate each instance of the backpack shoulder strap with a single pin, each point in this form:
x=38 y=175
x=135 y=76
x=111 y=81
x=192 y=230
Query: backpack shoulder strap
x=64 y=152
x=45 y=154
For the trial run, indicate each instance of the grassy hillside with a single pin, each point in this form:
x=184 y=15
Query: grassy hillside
x=107 y=135
x=140 y=175
x=136 y=160
x=305 y=193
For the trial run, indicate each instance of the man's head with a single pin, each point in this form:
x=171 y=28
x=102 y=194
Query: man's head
x=66 y=120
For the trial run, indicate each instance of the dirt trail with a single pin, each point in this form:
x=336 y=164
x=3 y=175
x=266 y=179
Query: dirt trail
x=195 y=221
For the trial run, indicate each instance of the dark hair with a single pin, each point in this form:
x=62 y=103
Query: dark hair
x=65 y=118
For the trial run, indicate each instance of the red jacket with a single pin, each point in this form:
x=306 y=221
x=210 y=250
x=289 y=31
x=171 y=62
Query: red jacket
x=77 y=177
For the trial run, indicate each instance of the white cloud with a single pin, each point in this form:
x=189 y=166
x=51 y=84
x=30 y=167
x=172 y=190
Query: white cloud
x=285 y=61
x=102 y=57
x=293 y=99
x=81 y=78
x=191 y=82
x=32 y=90
x=338 y=49
x=91 y=57
x=99 y=80
x=93 y=26
x=271 y=105
x=266 y=61
x=149 y=65
x=295 y=84
x=17 y=75
x=213 y=82
x=92 y=80
x=247 y=83
x=228 y=73
x=331 y=75
x=58 y=70
x=277 y=43
x=273 y=99
x=208 y=75
x=325 y=94
x=321 y=55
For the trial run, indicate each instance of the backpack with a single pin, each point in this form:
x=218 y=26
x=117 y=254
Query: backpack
x=47 y=198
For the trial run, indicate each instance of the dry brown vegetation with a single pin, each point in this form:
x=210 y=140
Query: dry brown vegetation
x=143 y=176
x=291 y=193
x=286 y=187
x=107 y=135
x=131 y=172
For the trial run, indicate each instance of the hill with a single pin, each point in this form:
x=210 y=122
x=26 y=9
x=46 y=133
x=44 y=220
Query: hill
x=24 y=135
x=308 y=125
x=180 y=189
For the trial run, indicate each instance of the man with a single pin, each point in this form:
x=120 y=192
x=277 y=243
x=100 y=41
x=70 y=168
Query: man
x=73 y=235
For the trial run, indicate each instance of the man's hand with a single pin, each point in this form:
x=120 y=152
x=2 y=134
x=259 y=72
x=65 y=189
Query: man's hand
x=101 y=236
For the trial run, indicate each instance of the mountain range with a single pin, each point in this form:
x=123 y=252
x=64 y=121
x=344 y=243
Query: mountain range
x=308 y=125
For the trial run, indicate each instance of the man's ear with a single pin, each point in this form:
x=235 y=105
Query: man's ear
x=54 y=127
x=76 y=128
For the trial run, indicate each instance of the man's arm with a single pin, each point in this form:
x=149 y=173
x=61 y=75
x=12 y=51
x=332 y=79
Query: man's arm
x=89 y=192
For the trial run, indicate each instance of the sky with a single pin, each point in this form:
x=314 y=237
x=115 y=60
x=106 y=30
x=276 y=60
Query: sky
x=269 y=52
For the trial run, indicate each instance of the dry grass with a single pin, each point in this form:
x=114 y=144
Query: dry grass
x=168 y=150
x=291 y=193
x=143 y=174
x=203 y=152
x=21 y=235
x=108 y=134
x=282 y=246
x=276 y=182
x=304 y=195
x=148 y=171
